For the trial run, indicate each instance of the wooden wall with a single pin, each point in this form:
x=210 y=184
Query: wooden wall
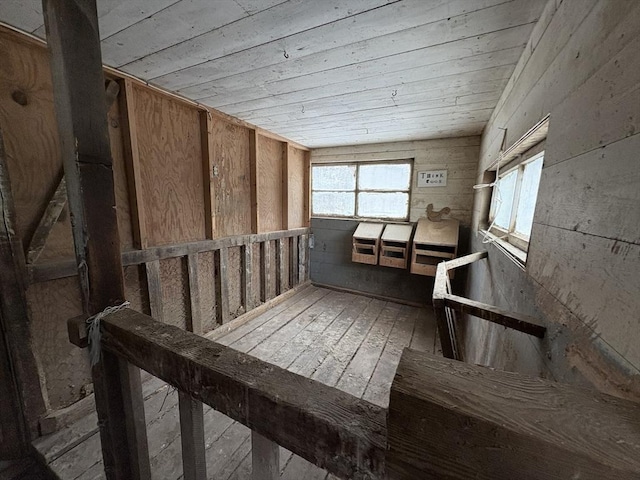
x=459 y=156
x=183 y=174
x=581 y=65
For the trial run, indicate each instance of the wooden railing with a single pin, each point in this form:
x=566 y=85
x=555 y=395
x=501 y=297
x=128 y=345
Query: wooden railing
x=445 y=305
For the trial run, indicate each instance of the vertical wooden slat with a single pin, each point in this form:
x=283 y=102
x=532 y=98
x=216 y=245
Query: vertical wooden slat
x=293 y=262
x=207 y=174
x=191 y=411
x=78 y=84
x=265 y=270
x=302 y=258
x=253 y=159
x=265 y=458
x=285 y=186
x=307 y=189
x=154 y=288
x=194 y=322
x=222 y=284
x=281 y=273
x=132 y=161
x=247 y=271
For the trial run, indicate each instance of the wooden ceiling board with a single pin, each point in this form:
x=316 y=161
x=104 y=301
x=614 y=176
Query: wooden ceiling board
x=320 y=73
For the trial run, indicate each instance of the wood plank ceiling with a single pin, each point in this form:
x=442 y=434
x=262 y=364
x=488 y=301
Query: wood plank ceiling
x=322 y=73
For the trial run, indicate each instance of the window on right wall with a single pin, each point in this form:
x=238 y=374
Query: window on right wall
x=513 y=201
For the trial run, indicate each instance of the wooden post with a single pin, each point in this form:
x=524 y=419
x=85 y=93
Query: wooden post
x=22 y=401
x=302 y=258
x=293 y=262
x=208 y=176
x=253 y=164
x=265 y=458
x=78 y=81
x=265 y=270
x=191 y=412
x=285 y=186
x=280 y=273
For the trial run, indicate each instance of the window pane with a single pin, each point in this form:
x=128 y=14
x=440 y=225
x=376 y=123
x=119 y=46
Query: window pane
x=334 y=177
x=528 y=196
x=503 y=199
x=334 y=203
x=383 y=205
x=385 y=177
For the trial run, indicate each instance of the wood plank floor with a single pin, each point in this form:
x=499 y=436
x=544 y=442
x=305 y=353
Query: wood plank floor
x=344 y=340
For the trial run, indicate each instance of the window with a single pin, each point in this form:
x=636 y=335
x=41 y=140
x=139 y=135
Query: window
x=513 y=202
x=362 y=190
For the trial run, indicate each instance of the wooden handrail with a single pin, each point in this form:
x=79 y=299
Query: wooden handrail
x=445 y=304
x=349 y=434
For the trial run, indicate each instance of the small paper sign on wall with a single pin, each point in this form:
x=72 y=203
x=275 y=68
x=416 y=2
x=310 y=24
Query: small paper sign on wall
x=433 y=178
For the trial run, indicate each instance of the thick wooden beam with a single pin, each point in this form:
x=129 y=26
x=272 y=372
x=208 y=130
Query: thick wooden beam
x=516 y=321
x=348 y=434
x=265 y=458
x=22 y=401
x=449 y=420
x=78 y=81
x=221 y=259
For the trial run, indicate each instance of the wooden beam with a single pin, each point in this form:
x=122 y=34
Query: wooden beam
x=132 y=161
x=449 y=420
x=194 y=462
x=265 y=270
x=22 y=400
x=253 y=161
x=221 y=259
x=349 y=434
x=466 y=260
x=285 y=186
x=247 y=277
x=206 y=137
x=78 y=81
x=265 y=458
x=67 y=268
x=516 y=321
x=56 y=204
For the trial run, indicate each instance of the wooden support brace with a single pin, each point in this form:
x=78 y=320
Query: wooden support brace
x=194 y=463
x=221 y=259
x=154 y=289
x=56 y=205
x=265 y=458
x=265 y=271
x=247 y=277
x=293 y=262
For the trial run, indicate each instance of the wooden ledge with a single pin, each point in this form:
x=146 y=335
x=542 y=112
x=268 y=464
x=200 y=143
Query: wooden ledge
x=450 y=420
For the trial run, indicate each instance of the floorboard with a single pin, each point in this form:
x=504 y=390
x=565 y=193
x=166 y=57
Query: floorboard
x=344 y=340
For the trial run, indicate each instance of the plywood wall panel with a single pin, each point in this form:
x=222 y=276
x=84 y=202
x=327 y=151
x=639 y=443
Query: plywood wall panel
x=65 y=366
x=232 y=184
x=170 y=155
x=297 y=164
x=269 y=176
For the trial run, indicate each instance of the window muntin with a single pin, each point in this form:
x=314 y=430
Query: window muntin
x=513 y=202
x=362 y=190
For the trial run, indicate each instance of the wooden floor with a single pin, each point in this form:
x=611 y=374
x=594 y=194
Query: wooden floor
x=348 y=341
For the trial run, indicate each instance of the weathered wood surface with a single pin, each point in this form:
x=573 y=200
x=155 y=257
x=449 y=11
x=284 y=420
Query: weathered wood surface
x=265 y=456
x=67 y=268
x=259 y=395
x=450 y=420
x=84 y=137
x=51 y=214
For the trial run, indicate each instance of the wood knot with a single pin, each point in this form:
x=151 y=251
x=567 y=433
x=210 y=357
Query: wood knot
x=20 y=97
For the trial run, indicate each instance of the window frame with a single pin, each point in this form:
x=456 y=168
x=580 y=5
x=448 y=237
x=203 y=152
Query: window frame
x=521 y=242
x=357 y=189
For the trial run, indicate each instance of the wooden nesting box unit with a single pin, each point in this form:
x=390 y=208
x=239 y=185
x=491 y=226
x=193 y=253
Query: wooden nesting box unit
x=433 y=243
x=366 y=243
x=395 y=246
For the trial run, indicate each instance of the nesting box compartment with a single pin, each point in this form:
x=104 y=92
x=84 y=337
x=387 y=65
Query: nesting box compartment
x=366 y=243
x=395 y=245
x=433 y=243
